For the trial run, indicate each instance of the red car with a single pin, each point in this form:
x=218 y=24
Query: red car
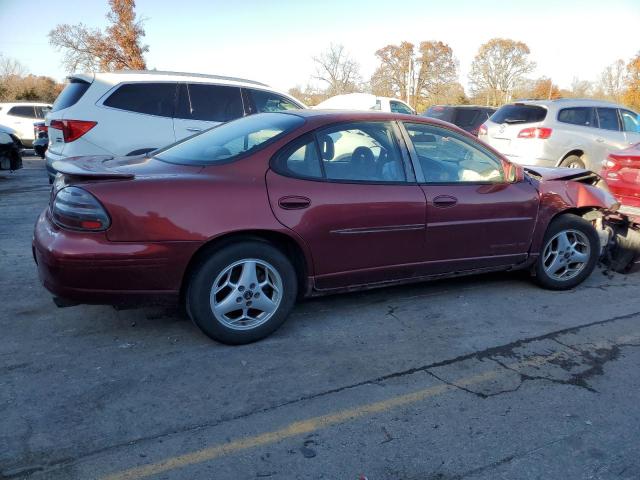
x=621 y=171
x=241 y=220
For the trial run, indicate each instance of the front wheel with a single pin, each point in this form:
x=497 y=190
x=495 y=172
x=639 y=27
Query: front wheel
x=242 y=293
x=570 y=251
x=573 y=161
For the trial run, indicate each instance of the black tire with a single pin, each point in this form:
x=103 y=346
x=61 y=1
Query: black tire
x=201 y=284
x=573 y=161
x=568 y=222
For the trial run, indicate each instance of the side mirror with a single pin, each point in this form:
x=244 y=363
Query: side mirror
x=514 y=173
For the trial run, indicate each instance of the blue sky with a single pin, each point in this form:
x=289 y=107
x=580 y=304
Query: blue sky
x=273 y=41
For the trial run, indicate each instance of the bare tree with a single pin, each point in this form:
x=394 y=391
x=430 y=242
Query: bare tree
x=498 y=67
x=415 y=76
x=118 y=47
x=613 y=80
x=581 y=88
x=338 y=70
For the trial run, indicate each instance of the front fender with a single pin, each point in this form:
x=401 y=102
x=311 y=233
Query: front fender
x=558 y=197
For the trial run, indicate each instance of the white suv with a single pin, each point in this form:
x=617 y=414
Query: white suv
x=20 y=117
x=131 y=113
x=566 y=132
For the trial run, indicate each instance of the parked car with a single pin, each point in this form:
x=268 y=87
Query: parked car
x=244 y=218
x=10 y=150
x=131 y=112
x=467 y=117
x=41 y=141
x=565 y=132
x=21 y=116
x=621 y=171
x=365 y=101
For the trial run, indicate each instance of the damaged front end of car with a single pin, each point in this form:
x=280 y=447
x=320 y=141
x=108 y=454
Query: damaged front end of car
x=587 y=193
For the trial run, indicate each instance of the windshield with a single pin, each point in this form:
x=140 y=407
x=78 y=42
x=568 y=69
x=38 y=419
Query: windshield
x=230 y=140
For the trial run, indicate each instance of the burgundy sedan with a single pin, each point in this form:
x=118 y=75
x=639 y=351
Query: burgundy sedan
x=621 y=170
x=241 y=220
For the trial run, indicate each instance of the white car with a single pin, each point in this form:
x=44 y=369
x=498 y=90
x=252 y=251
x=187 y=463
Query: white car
x=134 y=112
x=365 y=101
x=561 y=133
x=20 y=116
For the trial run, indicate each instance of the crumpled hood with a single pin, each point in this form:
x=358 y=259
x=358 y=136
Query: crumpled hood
x=559 y=173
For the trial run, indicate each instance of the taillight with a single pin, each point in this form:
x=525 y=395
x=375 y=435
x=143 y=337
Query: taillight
x=76 y=209
x=39 y=128
x=483 y=129
x=535 y=132
x=72 y=129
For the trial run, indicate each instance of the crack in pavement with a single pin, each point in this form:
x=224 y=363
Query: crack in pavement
x=594 y=359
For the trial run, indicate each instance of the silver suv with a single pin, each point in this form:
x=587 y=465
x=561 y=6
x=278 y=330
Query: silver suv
x=566 y=132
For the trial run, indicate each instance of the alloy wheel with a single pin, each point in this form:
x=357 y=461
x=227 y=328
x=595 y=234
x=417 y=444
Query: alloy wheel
x=246 y=294
x=566 y=255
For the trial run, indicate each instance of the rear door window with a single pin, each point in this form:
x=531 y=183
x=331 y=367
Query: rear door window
x=211 y=103
x=70 y=95
x=399 y=107
x=148 y=98
x=22 y=111
x=441 y=113
x=583 y=116
x=263 y=101
x=467 y=117
x=608 y=118
x=519 y=113
x=630 y=121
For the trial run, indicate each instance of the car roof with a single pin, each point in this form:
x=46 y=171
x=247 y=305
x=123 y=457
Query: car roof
x=20 y=102
x=486 y=107
x=364 y=115
x=564 y=102
x=145 y=75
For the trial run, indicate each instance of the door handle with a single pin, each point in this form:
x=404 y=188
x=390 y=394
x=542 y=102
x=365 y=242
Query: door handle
x=294 y=203
x=193 y=129
x=444 y=201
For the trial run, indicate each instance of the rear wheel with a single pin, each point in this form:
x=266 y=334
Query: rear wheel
x=242 y=293
x=573 y=161
x=570 y=251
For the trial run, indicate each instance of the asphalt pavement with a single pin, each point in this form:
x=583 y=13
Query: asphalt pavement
x=487 y=377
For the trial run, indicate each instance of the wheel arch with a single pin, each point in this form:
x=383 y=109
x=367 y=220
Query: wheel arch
x=580 y=152
x=285 y=243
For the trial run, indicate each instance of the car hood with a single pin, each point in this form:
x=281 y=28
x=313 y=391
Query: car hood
x=104 y=166
x=559 y=173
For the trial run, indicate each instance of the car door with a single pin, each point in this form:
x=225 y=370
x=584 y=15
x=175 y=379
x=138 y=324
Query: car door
x=348 y=191
x=475 y=218
x=133 y=118
x=203 y=105
x=22 y=118
x=631 y=126
x=607 y=137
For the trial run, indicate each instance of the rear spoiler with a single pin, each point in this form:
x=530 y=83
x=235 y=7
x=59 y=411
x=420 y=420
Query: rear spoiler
x=89 y=167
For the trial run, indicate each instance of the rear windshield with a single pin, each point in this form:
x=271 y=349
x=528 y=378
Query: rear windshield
x=71 y=94
x=441 y=113
x=519 y=113
x=231 y=140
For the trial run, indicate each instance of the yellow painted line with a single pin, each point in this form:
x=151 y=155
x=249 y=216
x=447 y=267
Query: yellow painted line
x=317 y=423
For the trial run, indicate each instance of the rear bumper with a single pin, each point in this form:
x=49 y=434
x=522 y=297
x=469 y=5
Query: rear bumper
x=87 y=268
x=49 y=158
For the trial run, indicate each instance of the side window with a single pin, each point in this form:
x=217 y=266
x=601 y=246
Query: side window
x=361 y=152
x=608 y=118
x=148 y=98
x=300 y=159
x=583 y=116
x=22 y=111
x=630 y=121
x=264 y=101
x=399 y=107
x=446 y=157
x=213 y=103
